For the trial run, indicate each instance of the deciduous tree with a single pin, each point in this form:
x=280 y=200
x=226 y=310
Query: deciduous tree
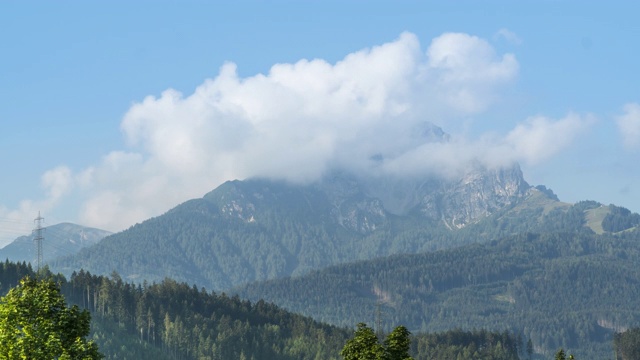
x=35 y=323
x=365 y=346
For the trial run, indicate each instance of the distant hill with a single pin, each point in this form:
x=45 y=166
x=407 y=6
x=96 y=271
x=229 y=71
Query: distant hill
x=568 y=287
x=59 y=240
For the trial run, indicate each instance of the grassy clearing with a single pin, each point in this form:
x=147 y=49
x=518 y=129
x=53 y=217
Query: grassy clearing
x=594 y=218
x=539 y=200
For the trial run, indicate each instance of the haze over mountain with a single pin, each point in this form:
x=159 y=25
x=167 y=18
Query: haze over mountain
x=262 y=229
x=59 y=240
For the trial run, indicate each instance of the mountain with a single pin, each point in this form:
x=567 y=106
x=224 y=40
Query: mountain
x=568 y=287
x=260 y=229
x=59 y=240
x=480 y=250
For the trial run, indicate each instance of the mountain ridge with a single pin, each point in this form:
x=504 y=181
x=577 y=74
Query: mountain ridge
x=259 y=229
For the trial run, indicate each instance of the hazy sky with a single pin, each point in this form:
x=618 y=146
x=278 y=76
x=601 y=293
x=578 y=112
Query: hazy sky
x=113 y=112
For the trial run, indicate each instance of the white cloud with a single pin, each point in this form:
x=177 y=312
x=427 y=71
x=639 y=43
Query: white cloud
x=301 y=119
x=629 y=125
x=532 y=141
x=539 y=138
x=508 y=35
x=463 y=71
x=296 y=121
x=57 y=183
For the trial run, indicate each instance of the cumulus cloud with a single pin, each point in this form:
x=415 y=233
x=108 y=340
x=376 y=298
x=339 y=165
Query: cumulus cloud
x=539 y=137
x=629 y=125
x=462 y=72
x=294 y=123
x=531 y=141
x=366 y=112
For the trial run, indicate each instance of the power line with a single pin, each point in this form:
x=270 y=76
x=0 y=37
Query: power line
x=38 y=238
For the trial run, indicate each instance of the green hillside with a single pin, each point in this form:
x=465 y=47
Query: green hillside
x=595 y=217
x=571 y=290
x=246 y=231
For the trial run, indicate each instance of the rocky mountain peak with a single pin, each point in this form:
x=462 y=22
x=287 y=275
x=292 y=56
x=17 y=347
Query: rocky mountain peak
x=362 y=203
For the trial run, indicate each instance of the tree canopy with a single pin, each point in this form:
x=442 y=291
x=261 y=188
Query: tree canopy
x=365 y=345
x=35 y=323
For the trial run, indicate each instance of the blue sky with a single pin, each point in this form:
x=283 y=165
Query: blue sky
x=89 y=133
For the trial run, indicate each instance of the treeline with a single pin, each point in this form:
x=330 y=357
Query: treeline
x=476 y=344
x=620 y=219
x=627 y=344
x=172 y=320
x=190 y=323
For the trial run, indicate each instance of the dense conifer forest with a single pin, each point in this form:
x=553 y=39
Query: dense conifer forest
x=562 y=289
x=172 y=320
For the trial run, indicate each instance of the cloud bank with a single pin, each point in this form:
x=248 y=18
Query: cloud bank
x=301 y=119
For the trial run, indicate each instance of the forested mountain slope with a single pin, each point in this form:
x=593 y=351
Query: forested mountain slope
x=252 y=230
x=259 y=229
x=569 y=288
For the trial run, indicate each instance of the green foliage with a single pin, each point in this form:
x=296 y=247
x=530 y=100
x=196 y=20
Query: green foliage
x=397 y=344
x=560 y=355
x=529 y=349
x=620 y=219
x=172 y=320
x=365 y=345
x=35 y=323
x=627 y=344
x=465 y=345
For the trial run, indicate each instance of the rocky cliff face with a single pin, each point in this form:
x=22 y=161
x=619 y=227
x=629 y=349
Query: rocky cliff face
x=478 y=194
x=363 y=204
x=259 y=229
x=350 y=204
